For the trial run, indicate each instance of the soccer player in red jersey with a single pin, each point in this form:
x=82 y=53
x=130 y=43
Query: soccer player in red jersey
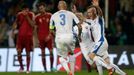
x=24 y=23
x=44 y=36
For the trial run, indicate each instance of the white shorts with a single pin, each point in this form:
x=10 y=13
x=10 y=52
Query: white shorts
x=85 y=49
x=65 y=44
x=102 y=50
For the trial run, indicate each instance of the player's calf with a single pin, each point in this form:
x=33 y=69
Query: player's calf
x=72 y=63
x=64 y=63
x=111 y=71
x=20 y=70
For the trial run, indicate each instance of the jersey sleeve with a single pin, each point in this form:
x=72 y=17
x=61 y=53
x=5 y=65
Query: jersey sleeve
x=33 y=16
x=75 y=19
x=75 y=30
x=52 y=24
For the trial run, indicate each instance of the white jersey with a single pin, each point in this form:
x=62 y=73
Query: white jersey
x=63 y=22
x=85 y=34
x=97 y=31
x=86 y=43
x=93 y=39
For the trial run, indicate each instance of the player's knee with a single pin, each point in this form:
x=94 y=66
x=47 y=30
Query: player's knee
x=51 y=53
x=97 y=64
x=62 y=60
x=91 y=55
x=71 y=58
x=19 y=52
x=43 y=54
x=107 y=60
x=28 y=54
x=43 y=51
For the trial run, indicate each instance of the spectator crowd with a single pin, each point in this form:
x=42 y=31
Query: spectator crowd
x=121 y=18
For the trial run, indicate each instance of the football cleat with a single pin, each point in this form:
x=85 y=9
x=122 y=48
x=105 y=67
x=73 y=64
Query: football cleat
x=20 y=70
x=27 y=72
x=111 y=71
x=70 y=73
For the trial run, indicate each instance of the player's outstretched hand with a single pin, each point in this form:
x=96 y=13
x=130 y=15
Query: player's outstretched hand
x=95 y=2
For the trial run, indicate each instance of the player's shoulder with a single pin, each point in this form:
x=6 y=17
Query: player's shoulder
x=70 y=12
x=32 y=13
x=99 y=19
x=48 y=13
x=36 y=16
x=19 y=13
x=55 y=13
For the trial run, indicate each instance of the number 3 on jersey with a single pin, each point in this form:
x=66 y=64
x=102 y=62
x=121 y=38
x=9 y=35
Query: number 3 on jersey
x=63 y=22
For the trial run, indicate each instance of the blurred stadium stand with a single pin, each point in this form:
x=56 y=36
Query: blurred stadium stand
x=121 y=18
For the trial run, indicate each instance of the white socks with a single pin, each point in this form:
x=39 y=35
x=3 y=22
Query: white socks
x=100 y=61
x=118 y=70
x=72 y=63
x=99 y=68
x=64 y=63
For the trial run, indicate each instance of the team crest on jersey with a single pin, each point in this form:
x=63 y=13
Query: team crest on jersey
x=40 y=20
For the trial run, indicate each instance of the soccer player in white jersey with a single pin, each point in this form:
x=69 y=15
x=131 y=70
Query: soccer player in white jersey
x=62 y=22
x=93 y=42
x=85 y=40
x=100 y=47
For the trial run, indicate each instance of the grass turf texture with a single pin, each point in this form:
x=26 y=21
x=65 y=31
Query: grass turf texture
x=83 y=72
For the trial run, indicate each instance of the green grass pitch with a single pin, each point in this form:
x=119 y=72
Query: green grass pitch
x=83 y=72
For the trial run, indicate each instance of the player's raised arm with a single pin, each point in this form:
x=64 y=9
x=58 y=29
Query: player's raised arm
x=99 y=10
x=31 y=22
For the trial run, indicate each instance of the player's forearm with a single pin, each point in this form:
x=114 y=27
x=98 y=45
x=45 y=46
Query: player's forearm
x=79 y=32
x=35 y=30
x=99 y=10
x=96 y=4
x=31 y=22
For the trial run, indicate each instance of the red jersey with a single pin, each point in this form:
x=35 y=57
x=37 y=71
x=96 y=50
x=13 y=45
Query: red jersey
x=25 y=35
x=42 y=22
x=25 y=29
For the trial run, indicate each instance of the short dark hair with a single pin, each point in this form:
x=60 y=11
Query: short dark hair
x=40 y=4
